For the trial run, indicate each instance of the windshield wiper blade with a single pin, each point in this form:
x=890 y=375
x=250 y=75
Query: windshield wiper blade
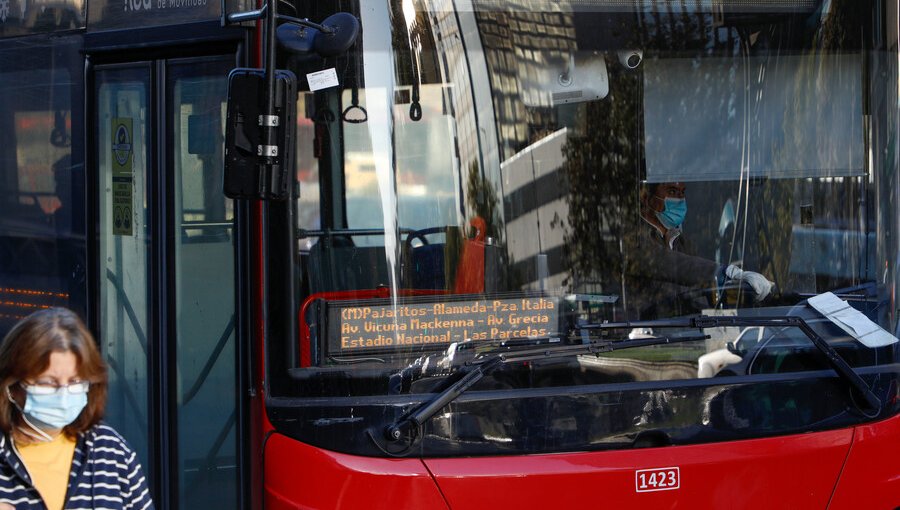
x=838 y=363
x=483 y=364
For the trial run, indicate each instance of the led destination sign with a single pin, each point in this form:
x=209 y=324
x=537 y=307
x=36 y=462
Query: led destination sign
x=389 y=327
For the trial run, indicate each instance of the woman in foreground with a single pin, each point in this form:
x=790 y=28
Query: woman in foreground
x=54 y=451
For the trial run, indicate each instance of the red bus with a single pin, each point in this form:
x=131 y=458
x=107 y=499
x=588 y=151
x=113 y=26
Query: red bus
x=470 y=254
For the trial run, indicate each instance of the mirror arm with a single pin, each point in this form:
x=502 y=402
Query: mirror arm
x=240 y=17
x=257 y=14
x=307 y=23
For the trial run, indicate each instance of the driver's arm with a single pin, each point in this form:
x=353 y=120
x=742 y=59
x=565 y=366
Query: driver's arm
x=652 y=260
x=656 y=262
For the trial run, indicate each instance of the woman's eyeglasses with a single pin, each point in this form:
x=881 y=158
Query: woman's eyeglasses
x=42 y=388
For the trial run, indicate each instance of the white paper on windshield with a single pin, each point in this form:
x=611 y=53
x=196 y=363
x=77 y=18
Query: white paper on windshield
x=851 y=320
x=322 y=79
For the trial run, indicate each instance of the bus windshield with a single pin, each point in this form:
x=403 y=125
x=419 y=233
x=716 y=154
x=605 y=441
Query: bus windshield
x=483 y=174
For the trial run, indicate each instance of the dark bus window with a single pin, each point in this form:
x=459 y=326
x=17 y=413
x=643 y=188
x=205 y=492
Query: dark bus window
x=42 y=225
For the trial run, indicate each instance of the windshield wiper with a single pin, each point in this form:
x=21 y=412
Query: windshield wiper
x=838 y=363
x=480 y=365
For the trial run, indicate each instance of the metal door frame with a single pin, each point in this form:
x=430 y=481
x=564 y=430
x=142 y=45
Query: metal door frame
x=157 y=46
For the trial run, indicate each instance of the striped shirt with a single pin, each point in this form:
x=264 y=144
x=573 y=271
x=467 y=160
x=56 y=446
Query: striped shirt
x=105 y=474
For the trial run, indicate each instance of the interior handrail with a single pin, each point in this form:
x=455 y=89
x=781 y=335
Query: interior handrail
x=301 y=233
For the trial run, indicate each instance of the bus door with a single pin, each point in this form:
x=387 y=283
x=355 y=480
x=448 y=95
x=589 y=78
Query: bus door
x=164 y=277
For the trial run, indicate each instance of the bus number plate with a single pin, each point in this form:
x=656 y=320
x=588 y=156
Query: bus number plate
x=659 y=479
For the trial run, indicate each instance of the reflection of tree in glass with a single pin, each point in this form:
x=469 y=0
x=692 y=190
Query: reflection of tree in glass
x=601 y=166
x=604 y=155
x=481 y=199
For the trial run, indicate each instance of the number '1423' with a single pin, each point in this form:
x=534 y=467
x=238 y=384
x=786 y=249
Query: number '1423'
x=659 y=479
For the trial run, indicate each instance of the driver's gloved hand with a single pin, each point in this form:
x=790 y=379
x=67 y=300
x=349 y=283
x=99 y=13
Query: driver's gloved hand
x=759 y=283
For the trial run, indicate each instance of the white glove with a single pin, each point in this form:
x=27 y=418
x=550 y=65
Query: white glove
x=760 y=284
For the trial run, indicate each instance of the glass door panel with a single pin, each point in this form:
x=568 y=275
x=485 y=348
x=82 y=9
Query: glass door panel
x=204 y=299
x=124 y=247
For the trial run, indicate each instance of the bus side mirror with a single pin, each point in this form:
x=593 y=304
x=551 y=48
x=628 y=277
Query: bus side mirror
x=255 y=168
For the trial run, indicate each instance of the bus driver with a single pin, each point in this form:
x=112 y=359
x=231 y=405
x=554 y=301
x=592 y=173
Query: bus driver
x=659 y=267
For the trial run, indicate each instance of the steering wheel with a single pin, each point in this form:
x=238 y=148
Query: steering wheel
x=746 y=294
x=728 y=290
x=421 y=235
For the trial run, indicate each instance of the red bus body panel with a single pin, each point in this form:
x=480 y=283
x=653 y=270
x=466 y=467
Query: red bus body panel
x=871 y=476
x=849 y=468
x=300 y=476
x=791 y=472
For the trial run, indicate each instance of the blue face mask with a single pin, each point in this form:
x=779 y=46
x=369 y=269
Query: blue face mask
x=55 y=410
x=672 y=216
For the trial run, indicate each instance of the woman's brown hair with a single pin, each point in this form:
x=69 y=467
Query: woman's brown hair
x=25 y=354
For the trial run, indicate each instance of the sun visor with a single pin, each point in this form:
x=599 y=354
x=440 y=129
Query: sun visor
x=775 y=117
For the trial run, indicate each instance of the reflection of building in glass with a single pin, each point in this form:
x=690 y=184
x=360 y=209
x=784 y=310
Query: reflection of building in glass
x=457 y=73
x=20 y=17
x=536 y=212
x=518 y=43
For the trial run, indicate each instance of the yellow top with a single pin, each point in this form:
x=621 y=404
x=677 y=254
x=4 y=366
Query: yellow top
x=49 y=465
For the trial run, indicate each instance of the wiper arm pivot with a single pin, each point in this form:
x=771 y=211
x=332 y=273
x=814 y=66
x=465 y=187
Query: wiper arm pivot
x=424 y=412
